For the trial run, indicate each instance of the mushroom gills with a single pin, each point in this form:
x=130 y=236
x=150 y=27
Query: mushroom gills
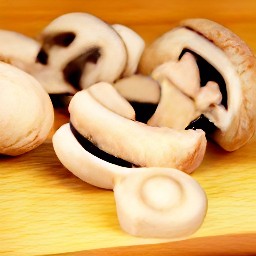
x=144 y=110
x=207 y=73
x=60 y=100
x=62 y=39
x=93 y=149
x=73 y=70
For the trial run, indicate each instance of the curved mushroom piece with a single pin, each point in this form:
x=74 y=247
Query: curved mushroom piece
x=171 y=202
x=142 y=92
x=81 y=50
x=226 y=67
x=26 y=111
x=134 y=45
x=17 y=49
x=134 y=142
x=163 y=203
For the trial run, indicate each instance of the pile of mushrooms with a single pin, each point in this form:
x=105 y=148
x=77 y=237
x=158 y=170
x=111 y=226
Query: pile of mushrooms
x=126 y=132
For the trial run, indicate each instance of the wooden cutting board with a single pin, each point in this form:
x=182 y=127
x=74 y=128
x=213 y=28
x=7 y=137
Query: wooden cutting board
x=44 y=209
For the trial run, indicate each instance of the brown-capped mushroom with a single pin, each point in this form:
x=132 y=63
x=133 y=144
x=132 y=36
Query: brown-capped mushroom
x=82 y=50
x=17 y=49
x=135 y=142
x=222 y=57
x=160 y=203
x=26 y=111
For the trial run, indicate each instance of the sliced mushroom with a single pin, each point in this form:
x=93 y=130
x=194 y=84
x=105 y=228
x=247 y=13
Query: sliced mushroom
x=17 y=49
x=223 y=58
x=160 y=203
x=142 y=92
x=134 y=45
x=26 y=112
x=82 y=50
x=131 y=141
x=170 y=201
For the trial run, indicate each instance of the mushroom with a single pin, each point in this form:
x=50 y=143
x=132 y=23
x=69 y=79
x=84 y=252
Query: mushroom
x=134 y=142
x=170 y=201
x=78 y=50
x=134 y=46
x=26 y=112
x=17 y=49
x=227 y=71
x=160 y=203
x=142 y=92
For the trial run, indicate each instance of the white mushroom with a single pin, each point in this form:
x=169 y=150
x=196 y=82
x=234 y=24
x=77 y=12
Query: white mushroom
x=82 y=50
x=17 y=49
x=26 y=112
x=134 y=45
x=177 y=88
x=229 y=62
x=134 y=142
x=160 y=203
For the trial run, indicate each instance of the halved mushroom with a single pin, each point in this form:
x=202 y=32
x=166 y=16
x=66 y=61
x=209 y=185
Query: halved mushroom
x=134 y=142
x=160 y=203
x=142 y=92
x=225 y=60
x=26 y=112
x=81 y=50
x=17 y=49
x=134 y=45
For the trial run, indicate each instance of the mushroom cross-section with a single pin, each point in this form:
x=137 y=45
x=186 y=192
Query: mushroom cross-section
x=135 y=142
x=82 y=49
x=222 y=58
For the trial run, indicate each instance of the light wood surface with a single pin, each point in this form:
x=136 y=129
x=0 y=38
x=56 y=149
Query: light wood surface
x=44 y=209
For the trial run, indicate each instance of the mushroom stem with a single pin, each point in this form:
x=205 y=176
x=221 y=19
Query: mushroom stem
x=163 y=203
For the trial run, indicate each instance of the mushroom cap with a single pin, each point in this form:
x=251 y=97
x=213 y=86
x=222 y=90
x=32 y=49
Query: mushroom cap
x=89 y=45
x=160 y=203
x=18 y=49
x=132 y=141
x=26 y=111
x=230 y=56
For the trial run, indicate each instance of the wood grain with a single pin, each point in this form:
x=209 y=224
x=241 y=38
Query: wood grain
x=46 y=210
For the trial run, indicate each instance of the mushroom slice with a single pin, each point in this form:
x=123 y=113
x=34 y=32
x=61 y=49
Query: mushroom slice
x=26 y=112
x=163 y=203
x=171 y=202
x=135 y=142
x=17 y=49
x=142 y=92
x=223 y=58
x=83 y=48
x=134 y=45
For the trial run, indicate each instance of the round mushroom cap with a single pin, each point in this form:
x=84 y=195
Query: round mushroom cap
x=216 y=45
x=26 y=111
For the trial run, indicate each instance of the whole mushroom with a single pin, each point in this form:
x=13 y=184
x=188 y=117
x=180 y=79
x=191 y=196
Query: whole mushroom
x=213 y=71
x=26 y=111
